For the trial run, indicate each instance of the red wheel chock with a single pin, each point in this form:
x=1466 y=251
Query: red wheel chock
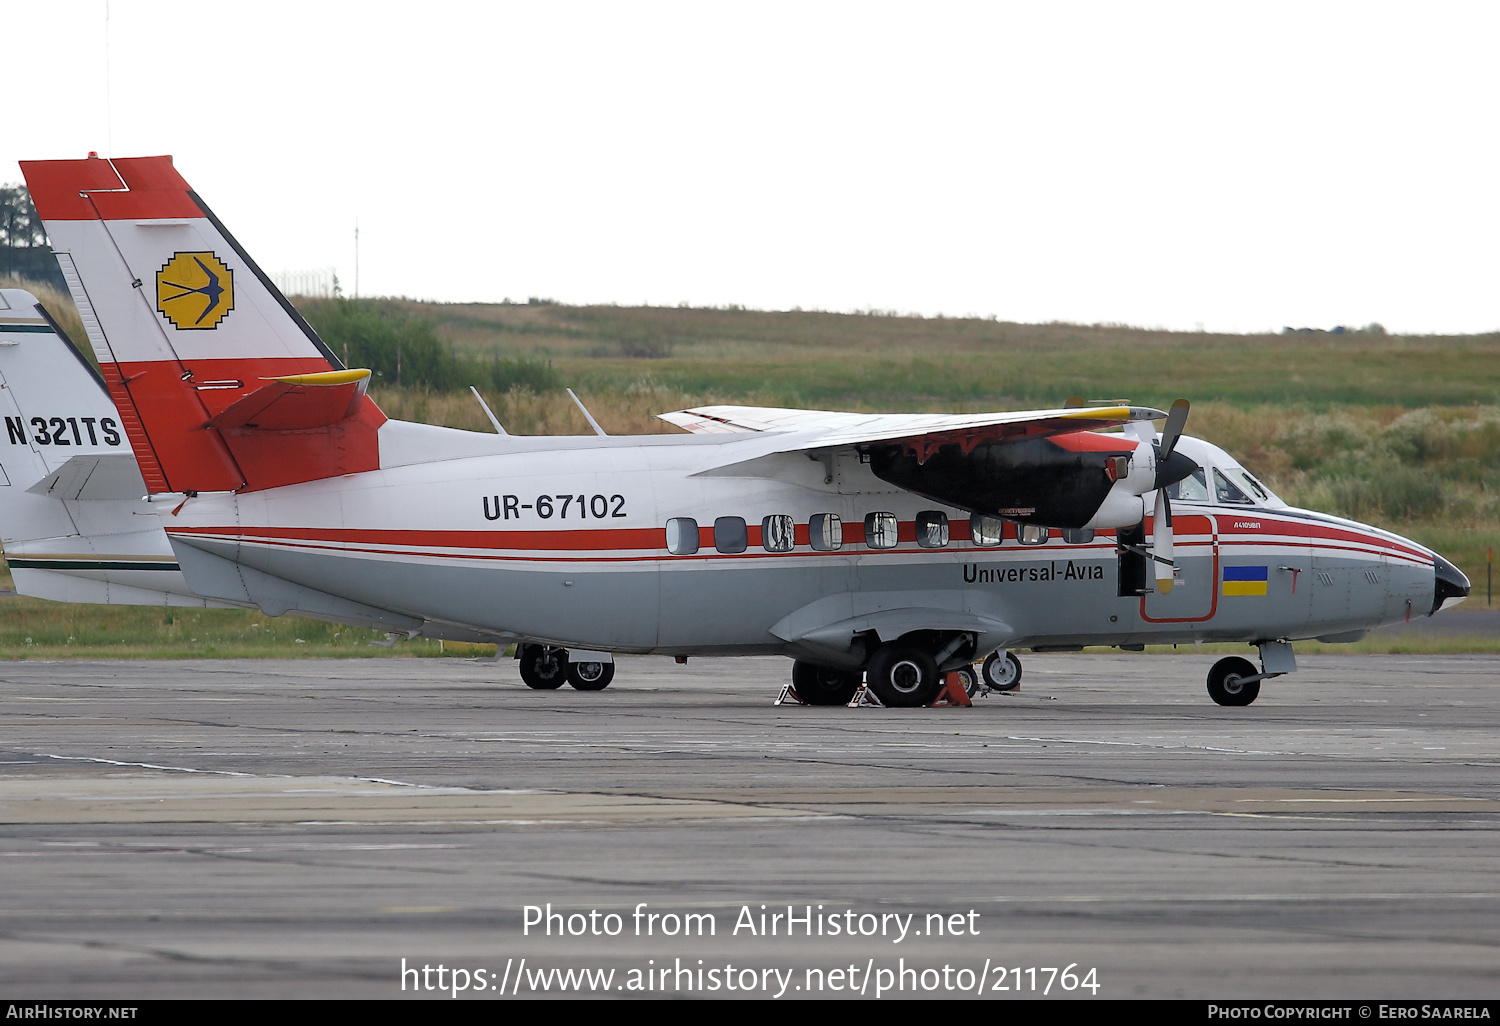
x=952 y=692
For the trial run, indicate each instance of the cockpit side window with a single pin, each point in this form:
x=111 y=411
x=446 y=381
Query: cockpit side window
x=1190 y=489
x=1226 y=491
x=1251 y=485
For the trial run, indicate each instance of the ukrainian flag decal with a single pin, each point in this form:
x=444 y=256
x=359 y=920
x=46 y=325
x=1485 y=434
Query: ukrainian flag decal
x=1245 y=580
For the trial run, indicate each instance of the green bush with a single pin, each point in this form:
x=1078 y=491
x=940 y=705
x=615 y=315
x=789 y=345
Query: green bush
x=401 y=349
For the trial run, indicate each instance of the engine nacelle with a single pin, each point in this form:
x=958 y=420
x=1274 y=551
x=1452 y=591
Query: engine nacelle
x=1120 y=508
x=1073 y=480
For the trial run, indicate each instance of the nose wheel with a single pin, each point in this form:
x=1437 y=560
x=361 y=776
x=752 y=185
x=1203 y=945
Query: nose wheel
x=1228 y=683
x=1002 y=672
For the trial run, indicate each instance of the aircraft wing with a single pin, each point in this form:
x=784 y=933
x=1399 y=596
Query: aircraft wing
x=921 y=433
x=717 y=420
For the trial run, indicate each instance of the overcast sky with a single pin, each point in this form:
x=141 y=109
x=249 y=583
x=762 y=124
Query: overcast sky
x=1239 y=166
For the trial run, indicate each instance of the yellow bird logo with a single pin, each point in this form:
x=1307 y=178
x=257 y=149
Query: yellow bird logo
x=194 y=290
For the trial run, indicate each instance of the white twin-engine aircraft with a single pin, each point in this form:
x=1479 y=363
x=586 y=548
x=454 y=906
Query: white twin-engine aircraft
x=887 y=549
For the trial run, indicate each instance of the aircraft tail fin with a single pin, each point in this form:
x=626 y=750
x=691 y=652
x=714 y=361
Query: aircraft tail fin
x=72 y=516
x=193 y=338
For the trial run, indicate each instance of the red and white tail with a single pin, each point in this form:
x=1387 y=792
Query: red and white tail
x=220 y=383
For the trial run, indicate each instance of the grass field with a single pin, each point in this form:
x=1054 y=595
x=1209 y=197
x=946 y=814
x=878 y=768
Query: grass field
x=1399 y=431
x=882 y=362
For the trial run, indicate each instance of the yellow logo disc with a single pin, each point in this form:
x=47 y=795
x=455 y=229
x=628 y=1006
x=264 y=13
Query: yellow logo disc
x=194 y=290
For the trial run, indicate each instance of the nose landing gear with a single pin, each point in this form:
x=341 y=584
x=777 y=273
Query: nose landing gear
x=1233 y=681
x=1001 y=671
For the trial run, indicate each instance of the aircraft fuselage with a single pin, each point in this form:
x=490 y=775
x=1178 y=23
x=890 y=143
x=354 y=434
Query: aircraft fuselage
x=565 y=541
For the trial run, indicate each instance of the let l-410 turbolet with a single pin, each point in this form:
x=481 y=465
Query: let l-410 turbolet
x=888 y=548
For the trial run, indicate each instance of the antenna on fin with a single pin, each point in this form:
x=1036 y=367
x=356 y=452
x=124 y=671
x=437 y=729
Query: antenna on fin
x=587 y=415
x=487 y=411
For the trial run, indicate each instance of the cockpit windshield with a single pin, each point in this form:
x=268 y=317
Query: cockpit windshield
x=1218 y=479
x=1232 y=485
x=1226 y=490
x=1238 y=486
x=1246 y=479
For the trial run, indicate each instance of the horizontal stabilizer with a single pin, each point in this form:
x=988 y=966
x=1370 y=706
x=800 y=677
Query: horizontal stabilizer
x=298 y=402
x=109 y=476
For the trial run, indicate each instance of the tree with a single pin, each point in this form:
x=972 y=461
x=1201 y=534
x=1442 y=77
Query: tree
x=24 y=252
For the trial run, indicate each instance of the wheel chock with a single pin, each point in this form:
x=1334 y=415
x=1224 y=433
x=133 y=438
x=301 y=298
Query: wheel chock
x=788 y=694
x=952 y=692
x=864 y=698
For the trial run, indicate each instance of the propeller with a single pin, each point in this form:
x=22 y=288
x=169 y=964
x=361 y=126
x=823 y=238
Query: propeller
x=1168 y=472
x=1161 y=542
x=1176 y=421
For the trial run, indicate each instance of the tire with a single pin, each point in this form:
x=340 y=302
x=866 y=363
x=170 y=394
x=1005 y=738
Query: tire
x=544 y=667
x=1002 y=674
x=1225 y=685
x=903 y=676
x=969 y=677
x=591 y=676
x=824 y=685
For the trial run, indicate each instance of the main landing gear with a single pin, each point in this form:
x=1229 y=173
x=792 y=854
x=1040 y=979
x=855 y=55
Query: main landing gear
x=903 y=676
x=546 y=667
x=824 y=685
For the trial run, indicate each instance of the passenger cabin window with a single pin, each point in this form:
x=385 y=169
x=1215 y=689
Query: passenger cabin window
x=1190 y=489
x=1227 y=491
x=985 y=530
x=825 y=532
x=1032 y=534
x=932 y=529
x=777 y=534
x=880 y=530
x=682 y=536
x=730 y=534
x=1078 y=535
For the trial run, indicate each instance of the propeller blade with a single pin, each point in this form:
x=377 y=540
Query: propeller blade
x=1074 y=400
x=1141 y=431
x=1176 y=421
x=1161 y=542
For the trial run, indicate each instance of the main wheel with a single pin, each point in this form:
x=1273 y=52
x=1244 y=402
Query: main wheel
x=969 y=677
x=544 y=667
x=903 y=676
x=824 y=685
x=591 y=676
x=1227 y=684
x=1002 y=674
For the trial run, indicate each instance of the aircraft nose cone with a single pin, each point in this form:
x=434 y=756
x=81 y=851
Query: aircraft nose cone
x=1451 y=588
x=1173 y=469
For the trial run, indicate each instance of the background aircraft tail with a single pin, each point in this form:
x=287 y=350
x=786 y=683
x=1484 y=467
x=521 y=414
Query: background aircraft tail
x=73 y=519
x=220 y=384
